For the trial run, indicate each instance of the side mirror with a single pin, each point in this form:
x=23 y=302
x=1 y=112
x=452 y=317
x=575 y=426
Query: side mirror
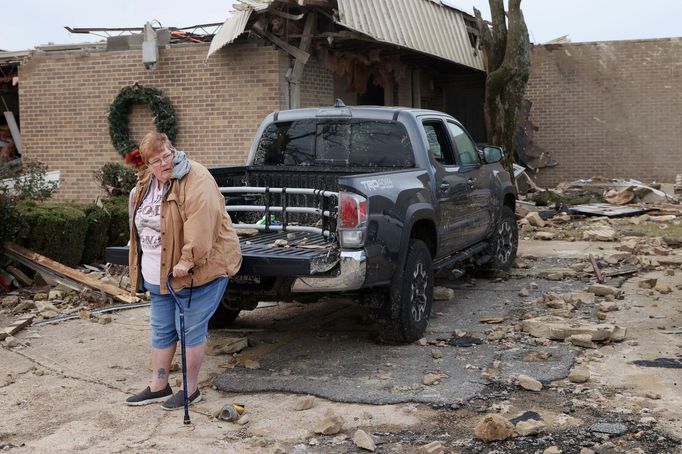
x=492 y=154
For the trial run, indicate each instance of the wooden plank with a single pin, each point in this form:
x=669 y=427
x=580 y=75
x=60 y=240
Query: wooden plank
x=14 y=129
x=15 y=327
x=71 y=273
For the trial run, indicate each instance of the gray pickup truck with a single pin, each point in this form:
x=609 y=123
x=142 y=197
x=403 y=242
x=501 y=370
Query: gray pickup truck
x=365 y=202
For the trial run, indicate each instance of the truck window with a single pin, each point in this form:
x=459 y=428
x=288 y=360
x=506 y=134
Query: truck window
x=438 y=142
x=335 y=143
x=466 y=150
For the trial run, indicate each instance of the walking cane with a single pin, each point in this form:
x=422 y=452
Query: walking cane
x=178 y=303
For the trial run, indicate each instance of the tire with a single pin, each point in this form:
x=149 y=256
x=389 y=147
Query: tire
x=504 y=242
x=411 y=296
x=224 y=315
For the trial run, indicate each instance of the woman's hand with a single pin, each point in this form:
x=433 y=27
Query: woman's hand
x=180 y=270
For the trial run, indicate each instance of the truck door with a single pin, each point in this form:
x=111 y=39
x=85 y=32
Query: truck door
x=451 y=189
x=477 y=177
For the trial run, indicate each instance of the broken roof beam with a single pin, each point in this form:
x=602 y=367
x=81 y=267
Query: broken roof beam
x=259 y=27
x=41 y=263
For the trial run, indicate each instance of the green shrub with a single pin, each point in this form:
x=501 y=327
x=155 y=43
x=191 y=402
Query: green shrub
x=119 y=229
x=7 y=222
x=97 y=235
x=17 y=184
x=116 y=179
x=56 y=231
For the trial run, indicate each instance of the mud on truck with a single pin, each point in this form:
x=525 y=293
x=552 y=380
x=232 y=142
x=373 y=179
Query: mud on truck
x=365 y=202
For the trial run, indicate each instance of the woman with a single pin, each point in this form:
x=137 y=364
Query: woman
x=179 y=225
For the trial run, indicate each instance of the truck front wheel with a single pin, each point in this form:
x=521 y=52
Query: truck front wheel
x=411 y=296
x=504 y=242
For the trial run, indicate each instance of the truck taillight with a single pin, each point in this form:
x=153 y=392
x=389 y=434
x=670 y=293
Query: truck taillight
x=352 y=210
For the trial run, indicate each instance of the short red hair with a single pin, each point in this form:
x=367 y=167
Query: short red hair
x=154 y=143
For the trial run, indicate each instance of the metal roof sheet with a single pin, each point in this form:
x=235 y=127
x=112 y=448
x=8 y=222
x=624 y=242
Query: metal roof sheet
x=231 y=29
x=422 y=25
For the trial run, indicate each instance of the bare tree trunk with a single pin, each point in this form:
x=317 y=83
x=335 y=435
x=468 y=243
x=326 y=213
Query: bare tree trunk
x=507 y=53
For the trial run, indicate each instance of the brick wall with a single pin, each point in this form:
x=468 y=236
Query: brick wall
x=64 y=101
x=608 y=108
x=317 y=85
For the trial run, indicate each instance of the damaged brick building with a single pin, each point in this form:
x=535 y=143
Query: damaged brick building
x=270 y=55
x=608 y=109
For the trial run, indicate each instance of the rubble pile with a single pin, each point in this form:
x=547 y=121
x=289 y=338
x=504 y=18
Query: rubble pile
x=40 y=296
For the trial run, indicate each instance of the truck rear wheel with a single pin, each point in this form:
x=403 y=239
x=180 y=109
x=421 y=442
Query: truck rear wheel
x=411 y=296
x=224 y=315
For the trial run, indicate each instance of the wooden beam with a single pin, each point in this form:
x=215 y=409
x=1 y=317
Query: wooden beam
x=15 y=327
x=288 y=48
x=299 y=64
x=43 y=262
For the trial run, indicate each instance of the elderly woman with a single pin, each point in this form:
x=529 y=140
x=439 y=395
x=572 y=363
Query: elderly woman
x=179 y=225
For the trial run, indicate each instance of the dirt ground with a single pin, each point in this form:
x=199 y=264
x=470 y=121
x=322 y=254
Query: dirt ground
x=64 y=385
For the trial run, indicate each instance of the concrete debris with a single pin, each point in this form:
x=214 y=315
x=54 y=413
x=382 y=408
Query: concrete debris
x=609 y=306
x=535 y=220
x=443 y=294
x=435 y=447
x=11 y=342
x=557 y=274
x=545 y=236
x=432 y=378
x=523 y=293
x=436 y=353
x=662 y=288
x=55 y=295
x=581 y=340
x=493 y=427
x=579 y=375
x=304 y=403
x=604 y=290
x=558 y=328
x=103 y=319
x=600 y=233
x=530 y=427
x=330 y=424
x=363 y=440
x=529 y=383
x=552 y=450
x=225 y=345
x=647 y=283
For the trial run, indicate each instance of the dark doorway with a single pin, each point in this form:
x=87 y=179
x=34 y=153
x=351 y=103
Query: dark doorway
x=373 y=95
x=466 y=105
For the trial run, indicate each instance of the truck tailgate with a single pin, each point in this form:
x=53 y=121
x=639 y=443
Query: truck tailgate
x=304 y=255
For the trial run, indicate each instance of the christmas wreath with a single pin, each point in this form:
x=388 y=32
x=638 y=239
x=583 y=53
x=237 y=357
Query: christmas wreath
x=119 y=110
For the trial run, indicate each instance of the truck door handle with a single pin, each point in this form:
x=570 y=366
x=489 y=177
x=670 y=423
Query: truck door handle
x=472 y=182
x=444 y=187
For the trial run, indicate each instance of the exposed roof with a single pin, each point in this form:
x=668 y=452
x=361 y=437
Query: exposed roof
x=422 y=25
x=426 y=26
x=13 y=57
x=231 y=29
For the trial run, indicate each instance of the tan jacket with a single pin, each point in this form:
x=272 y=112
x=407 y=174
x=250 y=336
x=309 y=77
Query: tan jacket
x=195 y=231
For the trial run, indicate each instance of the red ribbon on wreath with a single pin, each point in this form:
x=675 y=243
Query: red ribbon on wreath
x=134 y=158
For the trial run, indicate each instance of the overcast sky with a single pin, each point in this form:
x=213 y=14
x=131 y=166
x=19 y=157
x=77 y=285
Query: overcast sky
x=29 y=23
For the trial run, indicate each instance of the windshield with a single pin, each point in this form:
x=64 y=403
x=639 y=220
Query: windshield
x=335 y=143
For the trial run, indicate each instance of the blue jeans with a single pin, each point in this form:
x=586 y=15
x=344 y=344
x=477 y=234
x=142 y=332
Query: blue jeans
x=165 y=315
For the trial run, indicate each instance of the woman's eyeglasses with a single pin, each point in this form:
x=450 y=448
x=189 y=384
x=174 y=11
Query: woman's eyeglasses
x=166 y=157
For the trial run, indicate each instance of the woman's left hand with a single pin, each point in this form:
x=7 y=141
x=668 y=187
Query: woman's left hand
x=180 y=270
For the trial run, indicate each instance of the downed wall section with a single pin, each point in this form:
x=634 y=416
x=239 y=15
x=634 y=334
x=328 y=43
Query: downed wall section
x=608 y=108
